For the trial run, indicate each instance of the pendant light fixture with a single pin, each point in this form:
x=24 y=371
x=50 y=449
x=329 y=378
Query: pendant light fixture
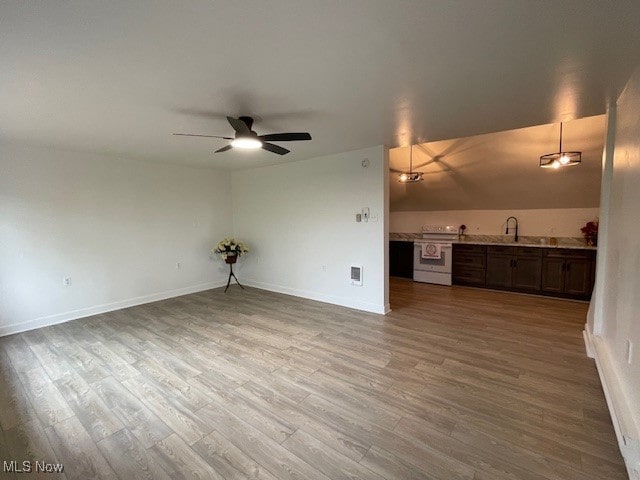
x=412 y=176
x=560 y=158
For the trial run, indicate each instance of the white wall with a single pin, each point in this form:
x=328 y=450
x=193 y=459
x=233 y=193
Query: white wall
x=557 y=222
x=117 y=227
x=617 y=320
x=299 y=220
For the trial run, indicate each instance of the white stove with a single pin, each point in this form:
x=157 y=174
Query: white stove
x=432 y=254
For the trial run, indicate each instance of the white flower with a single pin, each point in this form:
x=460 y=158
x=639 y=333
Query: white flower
x=228 y=246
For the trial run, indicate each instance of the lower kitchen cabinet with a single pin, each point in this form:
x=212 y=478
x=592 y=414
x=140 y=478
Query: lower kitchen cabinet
x=514 y=268
x=528 y=273
x=469 y=264
x=401 y=259
x=568 y=273
x=548 y=271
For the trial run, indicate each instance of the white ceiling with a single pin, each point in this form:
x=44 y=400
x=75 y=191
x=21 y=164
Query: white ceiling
x=500 y=171
x=118 y=77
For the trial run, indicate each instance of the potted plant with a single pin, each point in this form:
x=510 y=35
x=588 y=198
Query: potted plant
x=230 y=249
x=590 y=232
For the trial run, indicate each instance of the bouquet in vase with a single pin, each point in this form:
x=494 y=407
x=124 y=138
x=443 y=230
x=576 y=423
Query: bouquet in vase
x=230 y=247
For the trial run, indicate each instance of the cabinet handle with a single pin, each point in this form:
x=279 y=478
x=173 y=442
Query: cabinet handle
x=514 y=263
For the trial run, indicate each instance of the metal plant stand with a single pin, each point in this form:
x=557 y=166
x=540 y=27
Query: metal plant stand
x=231 y=260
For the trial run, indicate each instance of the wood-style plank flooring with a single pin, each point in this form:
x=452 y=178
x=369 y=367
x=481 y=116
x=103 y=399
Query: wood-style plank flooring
x=455 y=383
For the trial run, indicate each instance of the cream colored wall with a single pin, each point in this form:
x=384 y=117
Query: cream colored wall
x=558 y=222
x=499 y=171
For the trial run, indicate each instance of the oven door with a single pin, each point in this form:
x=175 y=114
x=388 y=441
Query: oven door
x=439 y=265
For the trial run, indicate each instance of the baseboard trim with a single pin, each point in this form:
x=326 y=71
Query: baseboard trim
x=320 y=297
x=587 y=342
x=106 y=307
x=622 y=414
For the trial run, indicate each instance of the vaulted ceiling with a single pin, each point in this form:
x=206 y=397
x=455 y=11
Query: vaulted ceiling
x=118 y=77
x=500 y=171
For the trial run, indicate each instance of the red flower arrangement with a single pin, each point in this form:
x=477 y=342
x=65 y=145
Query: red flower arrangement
x=590 y=232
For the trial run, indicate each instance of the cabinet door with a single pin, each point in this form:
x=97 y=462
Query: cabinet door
x=499 y=271
x=553 y=274
x=405 y=260
x=394 y=250
x=528 y=273
x=401 y=259
x=578 y=277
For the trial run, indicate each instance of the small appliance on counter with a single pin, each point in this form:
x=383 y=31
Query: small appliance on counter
x=432 y=254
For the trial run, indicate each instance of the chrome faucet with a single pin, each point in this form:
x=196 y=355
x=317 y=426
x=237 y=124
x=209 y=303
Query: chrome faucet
x=507 y=231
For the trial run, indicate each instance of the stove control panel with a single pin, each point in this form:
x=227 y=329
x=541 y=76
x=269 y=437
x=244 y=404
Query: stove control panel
x=442 y=229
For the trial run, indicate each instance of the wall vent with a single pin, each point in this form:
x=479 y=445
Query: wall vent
x=356 y=275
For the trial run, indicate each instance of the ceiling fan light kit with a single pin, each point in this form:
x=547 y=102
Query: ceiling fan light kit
x=247 y=139
x=247 y=143
x=410 y=176
x=560 y=158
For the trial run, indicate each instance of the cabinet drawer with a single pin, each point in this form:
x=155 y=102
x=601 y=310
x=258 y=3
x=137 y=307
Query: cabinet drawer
x=500 y=250
x=462 y=247
x=469 y=259
x=468 y=275
x=528 y=251
x=568 y=253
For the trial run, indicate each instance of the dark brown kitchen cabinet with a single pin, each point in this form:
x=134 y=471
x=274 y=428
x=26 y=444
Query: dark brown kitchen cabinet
x=568 y=273
x=499 y=266
x=559 y=272
x=528 y=273
x=401 y=259
x=514 y=268
x=469 y=265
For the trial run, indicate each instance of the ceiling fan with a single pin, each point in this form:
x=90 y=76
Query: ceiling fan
x=246 y=138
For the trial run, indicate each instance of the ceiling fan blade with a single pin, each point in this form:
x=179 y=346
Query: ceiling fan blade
x=285 y=137
x=270 y=147
x=195 y=135
x=239 y=126
x=224 y=149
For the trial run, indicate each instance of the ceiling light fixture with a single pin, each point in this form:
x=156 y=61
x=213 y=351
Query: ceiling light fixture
x=411 y=176
x=560 y=158
x=248 y=143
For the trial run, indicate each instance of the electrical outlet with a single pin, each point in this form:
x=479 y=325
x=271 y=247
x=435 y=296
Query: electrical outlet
x=66 y=281
x=629 y=351
x=178 y=266
x=324 y=268
x=365 y=214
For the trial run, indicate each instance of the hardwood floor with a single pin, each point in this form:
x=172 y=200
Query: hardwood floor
x=455 y=383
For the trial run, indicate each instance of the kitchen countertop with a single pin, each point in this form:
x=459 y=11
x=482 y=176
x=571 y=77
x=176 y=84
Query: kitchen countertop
x=563 y=242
